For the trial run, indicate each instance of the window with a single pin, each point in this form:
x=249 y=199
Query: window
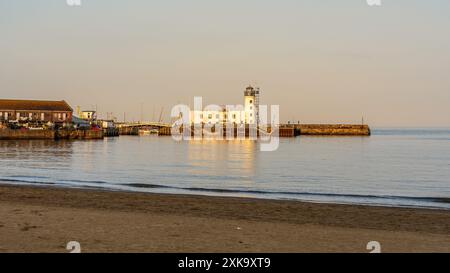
x=42 y=116
x=30 y=115
x=64 y=116
x=251 y=114
x=251 y=107
x=251 y=101
x=234 y=116
x=210 y=116
x=217 y=115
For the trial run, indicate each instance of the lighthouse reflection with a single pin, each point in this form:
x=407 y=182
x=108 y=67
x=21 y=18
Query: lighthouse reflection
x=232 y=161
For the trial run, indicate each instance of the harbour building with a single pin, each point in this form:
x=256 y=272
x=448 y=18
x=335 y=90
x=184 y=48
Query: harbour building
x=234 y=114
x=35 y=111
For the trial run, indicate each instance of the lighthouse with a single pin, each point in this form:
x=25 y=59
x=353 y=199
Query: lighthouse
x=251 y=105
x=248 y=114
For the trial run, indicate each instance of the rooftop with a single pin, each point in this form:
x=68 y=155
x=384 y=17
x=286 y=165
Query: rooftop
x=35 y=105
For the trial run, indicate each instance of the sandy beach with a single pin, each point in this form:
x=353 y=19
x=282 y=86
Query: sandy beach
x=41 y=219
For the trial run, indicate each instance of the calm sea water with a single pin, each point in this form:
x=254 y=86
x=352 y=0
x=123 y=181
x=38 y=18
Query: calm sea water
x=392 y=167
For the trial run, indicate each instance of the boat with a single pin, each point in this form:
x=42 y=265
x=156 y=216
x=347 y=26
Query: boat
x=147 y=132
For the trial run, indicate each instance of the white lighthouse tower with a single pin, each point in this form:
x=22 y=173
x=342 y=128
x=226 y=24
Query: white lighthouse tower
x=251 y=105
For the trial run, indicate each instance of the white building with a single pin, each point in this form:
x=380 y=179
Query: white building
x=88 y=115
x=239 y=114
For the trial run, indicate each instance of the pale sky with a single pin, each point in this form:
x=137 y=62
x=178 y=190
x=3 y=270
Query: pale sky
x=322 y=61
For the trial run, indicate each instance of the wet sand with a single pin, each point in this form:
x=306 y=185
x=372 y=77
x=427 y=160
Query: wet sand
x=41 y=219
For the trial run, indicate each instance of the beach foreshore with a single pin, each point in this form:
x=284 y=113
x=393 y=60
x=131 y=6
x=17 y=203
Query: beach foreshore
x=45 y=219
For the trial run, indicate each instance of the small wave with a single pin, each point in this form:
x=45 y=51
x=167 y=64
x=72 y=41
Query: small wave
x=299 y=195
x=27 y=176
x=85 y=181
x=26 y=182
x=38 y=179
x=257 y=192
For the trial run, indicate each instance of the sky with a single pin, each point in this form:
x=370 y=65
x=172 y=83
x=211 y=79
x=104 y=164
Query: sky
x=321 y=61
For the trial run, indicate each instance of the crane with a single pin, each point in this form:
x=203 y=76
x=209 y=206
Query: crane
x=160 y=115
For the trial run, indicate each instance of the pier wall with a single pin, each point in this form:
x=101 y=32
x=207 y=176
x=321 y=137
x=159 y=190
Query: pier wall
x=282 y=131
x=79 y=134
x=165 y=131
x=130 y=131
x=111 y=132
x=286 y=132
x=293 y=130
x=332 y=129
x=9 y=134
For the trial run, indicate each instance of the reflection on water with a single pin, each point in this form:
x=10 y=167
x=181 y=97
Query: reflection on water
x=222 y=158
x=36 y=153
x=393 y=167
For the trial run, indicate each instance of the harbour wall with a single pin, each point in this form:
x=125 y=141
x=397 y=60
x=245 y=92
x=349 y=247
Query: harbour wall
x=79 y=134
x=10 y=134
x=236 y=132
x=285 y=130
x=293 y=130
x=130 y=131
x=111 y=132
x=332 y=129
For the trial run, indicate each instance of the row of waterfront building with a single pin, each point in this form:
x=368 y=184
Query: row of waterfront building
x=39 y=114
x=35 y=114
x=35 y=111
x=59 y=113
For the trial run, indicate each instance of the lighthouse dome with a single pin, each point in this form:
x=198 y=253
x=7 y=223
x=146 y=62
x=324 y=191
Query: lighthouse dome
x=249 y=91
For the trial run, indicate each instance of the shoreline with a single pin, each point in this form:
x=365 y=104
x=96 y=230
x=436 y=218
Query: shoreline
x=44 y=219
x=243 y=194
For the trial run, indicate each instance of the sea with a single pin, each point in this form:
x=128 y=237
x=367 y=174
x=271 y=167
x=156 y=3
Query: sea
x=393 y=167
